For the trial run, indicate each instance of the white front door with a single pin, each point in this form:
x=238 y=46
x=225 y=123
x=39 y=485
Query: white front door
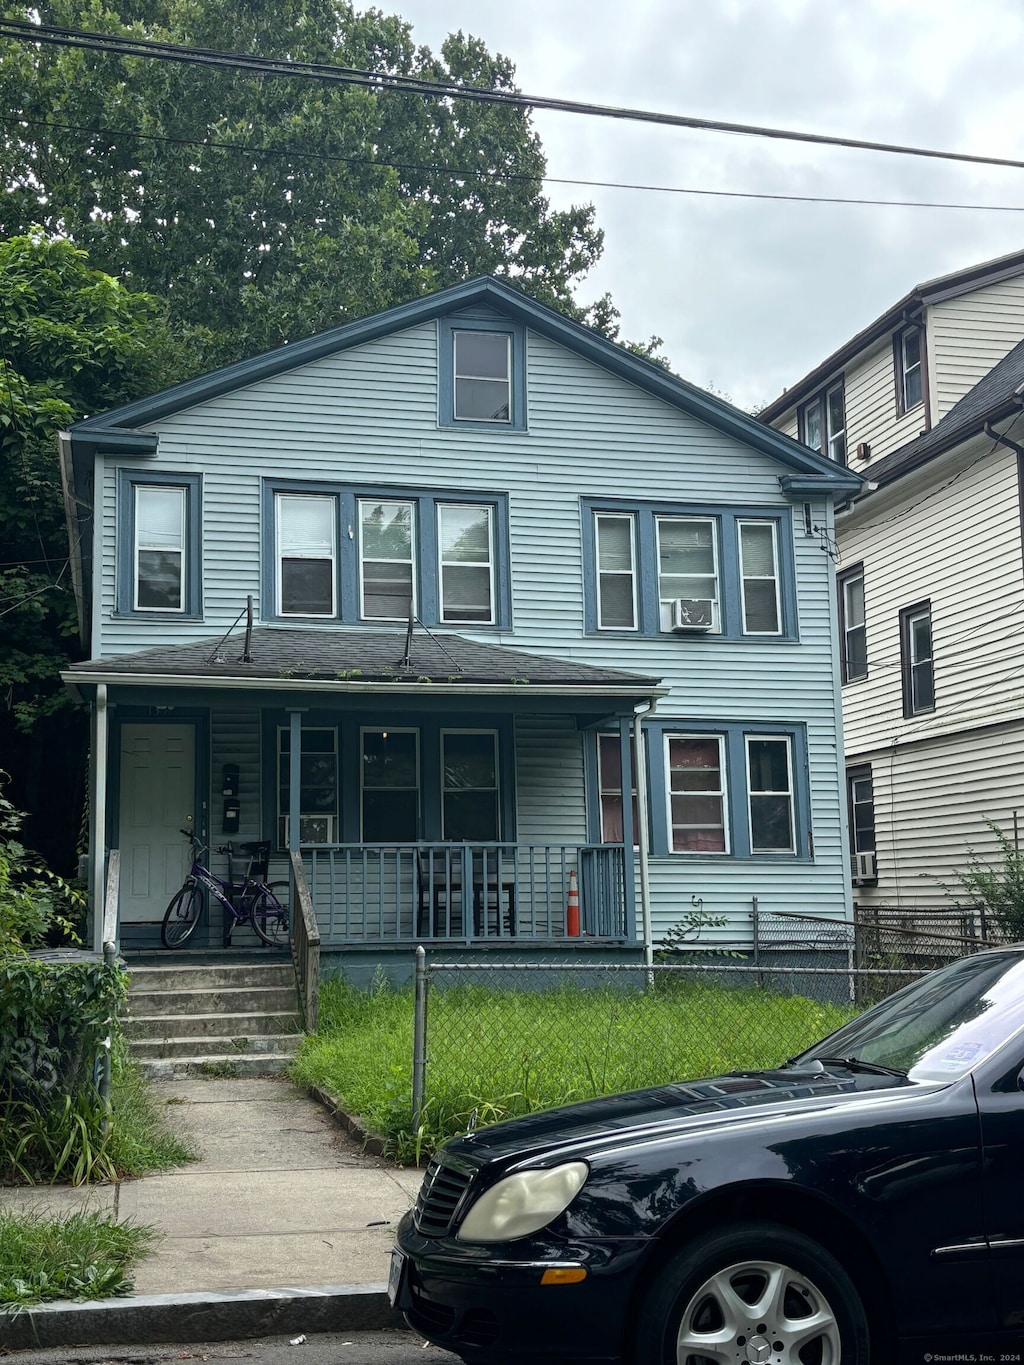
x=158 y=792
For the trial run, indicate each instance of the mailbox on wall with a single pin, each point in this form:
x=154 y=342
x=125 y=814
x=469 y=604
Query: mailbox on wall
x=232 y=810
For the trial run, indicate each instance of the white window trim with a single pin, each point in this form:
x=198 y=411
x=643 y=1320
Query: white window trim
x=789 y=793
x=456 y=376
x=773 y=526
x=722 y=794
x=284 y=816
x=365 y=730
x=906 y=369
x=830 y=435
x=181 y=552
x=631 y=519
x=663 y=602
x=441 y=615
x=455 y=730
x=411 y=561
x=279 y=557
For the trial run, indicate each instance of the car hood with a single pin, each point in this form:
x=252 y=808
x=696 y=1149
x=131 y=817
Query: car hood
x=734 y=1098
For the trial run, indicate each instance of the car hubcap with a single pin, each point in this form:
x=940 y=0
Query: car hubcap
x=758 y=1313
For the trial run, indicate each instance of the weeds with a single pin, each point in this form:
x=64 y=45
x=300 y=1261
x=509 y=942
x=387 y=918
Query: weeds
x=79 y=1256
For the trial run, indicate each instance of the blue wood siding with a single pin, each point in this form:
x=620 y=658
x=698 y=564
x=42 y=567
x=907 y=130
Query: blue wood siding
x=370 y=415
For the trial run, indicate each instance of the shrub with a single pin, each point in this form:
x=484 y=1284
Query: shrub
x=994 y=888
x=36 y=906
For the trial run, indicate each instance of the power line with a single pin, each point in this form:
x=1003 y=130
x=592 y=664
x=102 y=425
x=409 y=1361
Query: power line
x=120 y=45
x=467 y=173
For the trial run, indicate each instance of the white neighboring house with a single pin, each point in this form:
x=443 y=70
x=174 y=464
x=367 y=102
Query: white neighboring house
x=928 y=404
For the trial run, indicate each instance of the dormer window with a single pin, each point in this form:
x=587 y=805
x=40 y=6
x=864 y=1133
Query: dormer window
x=909 y=379
x=823 y=423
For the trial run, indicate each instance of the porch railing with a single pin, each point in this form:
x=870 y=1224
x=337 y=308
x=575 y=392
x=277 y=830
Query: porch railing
x=467 y=893
x=305 y=939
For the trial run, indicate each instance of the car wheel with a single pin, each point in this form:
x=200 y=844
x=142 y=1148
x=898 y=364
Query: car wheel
x=753 y=1292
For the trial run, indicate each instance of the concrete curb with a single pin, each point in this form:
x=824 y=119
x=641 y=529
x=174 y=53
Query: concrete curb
x=214 y=1316
x=374 y=1145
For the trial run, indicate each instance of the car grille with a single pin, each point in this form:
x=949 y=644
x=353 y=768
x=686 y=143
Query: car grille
x=439 y=1196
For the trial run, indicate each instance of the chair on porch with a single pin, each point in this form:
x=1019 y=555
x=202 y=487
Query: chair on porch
x=441 y=875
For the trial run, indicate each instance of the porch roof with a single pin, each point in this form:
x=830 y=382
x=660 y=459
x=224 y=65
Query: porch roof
x=363 y=661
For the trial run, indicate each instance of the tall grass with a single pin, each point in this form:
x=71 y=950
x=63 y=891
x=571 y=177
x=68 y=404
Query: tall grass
x=503 y=1053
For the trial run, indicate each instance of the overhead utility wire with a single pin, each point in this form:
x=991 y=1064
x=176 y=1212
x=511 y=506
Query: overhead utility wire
x=118 y=45
x=249 y=149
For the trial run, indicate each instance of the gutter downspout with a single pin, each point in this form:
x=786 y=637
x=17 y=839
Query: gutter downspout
x=99 y=817
x=640 y=748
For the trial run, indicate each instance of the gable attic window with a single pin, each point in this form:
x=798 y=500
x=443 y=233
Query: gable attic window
x=158 y=544
x=909 y=354
x=481 y=374
x=823 y=423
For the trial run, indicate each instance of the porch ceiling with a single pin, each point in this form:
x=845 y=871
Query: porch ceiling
x=363 y=661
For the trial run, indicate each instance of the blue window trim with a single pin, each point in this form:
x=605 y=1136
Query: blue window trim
x=727 y=521
x=446 y=329
x=127 y=482
x=349 y=725
x=734 y=734
x=426 y=570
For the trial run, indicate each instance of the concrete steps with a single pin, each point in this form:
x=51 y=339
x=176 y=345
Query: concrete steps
x=227 y=1018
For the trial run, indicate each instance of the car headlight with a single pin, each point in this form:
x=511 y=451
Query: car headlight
x=522 y=1203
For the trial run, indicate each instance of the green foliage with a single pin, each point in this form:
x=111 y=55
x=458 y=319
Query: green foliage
x=264 y=209
x=79 y=1256
x=993 y=887
x=72 y=342
x=504 y=1053
x=36 y=906
x=139 y=1140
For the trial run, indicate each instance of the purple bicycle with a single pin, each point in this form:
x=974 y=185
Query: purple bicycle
x=250 y=901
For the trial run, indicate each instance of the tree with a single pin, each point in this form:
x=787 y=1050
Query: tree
x=267 y=208
x=72 y=342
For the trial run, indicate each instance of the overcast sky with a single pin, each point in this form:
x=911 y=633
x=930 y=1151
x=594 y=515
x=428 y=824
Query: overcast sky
x=750 y=294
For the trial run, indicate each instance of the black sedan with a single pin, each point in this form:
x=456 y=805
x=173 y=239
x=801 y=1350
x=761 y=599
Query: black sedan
x=864 y=1202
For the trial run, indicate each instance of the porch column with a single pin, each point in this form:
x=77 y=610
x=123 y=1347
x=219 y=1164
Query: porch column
x=98 y=816
x=628 y=832
x=640 y=742
x=294 y=776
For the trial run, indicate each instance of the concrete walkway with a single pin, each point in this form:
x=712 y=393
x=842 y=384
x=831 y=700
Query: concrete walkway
x=281 y=1199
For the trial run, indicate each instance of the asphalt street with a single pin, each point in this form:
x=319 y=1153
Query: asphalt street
x=324 y=1348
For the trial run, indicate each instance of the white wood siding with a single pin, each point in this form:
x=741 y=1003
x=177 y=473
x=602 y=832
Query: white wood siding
x=370 y=415
x=970 y=334
x=871 y=408
x=932 y=804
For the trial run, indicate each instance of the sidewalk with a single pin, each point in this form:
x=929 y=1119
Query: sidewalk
x=283 y=1220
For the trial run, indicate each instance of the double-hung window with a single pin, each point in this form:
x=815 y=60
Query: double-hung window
x=349 y=554
x=759 y=577
x=306 y=559
x=158 y=540
x=823 y=423
x=861 y=801
x=465 y=542
x=318 y=785
x=390 y=786
x=483 y=376
x=770 y=794
x=852 y=628
x=470 y=807
x=387 y=531
x=688 y=573
x=697 y=794
x=917 y=659
x=611 y=796
x=615 y=536
x=909 y=376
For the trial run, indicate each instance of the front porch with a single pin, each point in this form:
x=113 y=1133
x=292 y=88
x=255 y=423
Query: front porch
x=467 y=894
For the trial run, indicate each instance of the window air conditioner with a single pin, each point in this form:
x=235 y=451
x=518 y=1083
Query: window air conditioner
x=693 y=613
x=864 y=868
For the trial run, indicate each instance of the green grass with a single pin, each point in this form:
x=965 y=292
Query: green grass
x=80 y=1256
x=504 y=1053
x=140 y=1140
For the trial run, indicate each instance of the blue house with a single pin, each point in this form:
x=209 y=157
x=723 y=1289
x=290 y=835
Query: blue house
x=469 y=613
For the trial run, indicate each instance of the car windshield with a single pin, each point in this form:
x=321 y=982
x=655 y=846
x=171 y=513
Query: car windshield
x=941 y=1026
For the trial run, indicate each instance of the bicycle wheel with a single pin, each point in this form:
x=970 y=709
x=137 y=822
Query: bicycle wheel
x=270 y=917
x=181 y=916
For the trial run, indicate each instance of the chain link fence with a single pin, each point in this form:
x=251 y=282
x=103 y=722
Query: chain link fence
x=505 y=1039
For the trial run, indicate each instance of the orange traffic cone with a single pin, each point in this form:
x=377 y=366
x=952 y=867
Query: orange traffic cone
x=572 y=912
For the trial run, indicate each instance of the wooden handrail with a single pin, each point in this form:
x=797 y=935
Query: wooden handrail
x=110 y=898
x=305 y=939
